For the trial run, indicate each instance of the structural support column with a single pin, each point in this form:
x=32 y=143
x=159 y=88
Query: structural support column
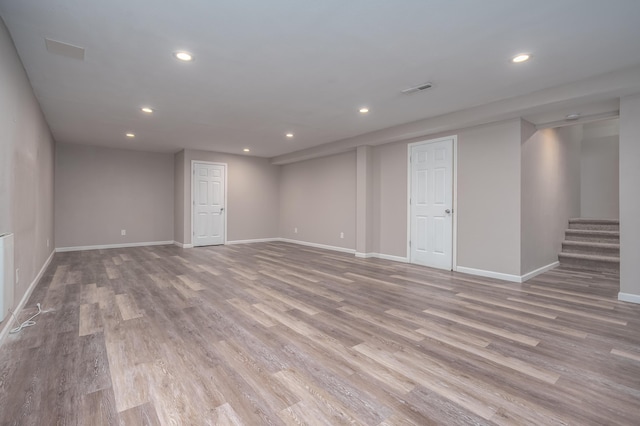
x=364 y=200
x=630 y=199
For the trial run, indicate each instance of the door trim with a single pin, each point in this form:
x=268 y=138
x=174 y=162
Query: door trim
x=191 y=173
x=454 y=245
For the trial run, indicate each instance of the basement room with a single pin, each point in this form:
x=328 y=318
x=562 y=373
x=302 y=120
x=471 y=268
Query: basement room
x=389 y=212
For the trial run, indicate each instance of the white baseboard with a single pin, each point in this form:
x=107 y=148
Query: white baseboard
x=112 y=246
x=365 y=255
x=393 y=258
x=539 y=271
x=5 y=330
x=182 y=245
x=490 y=274
x=383 y=256
x=255 y=240
x=629 y=297
x=320 y=246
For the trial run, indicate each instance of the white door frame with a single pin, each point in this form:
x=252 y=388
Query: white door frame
x=454 y=246
x=191 y=173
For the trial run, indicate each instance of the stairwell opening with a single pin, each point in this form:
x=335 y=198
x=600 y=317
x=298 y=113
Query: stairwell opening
x=592 y=240
x=570 y=201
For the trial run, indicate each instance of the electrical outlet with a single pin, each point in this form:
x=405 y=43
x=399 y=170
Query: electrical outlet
x=342 y=235
x=295 y=230
x=17 y=275
x=123 y=232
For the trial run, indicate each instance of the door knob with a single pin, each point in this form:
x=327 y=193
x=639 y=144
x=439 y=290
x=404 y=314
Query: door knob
x=447 y=211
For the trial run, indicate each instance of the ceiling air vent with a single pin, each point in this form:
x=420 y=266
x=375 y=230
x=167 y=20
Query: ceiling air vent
x=65 y=49
x=420 y=88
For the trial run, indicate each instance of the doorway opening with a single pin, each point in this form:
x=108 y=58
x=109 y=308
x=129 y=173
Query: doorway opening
x=570 y=201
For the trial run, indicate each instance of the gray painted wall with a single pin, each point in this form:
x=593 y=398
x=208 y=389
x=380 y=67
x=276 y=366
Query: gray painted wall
x=390 y=199
x=100 y=191
x=599 y=170
x=178 y=197
x=550 y=191
x=489 y=197
x=364 y=199
x=488 y=210
x=26 y=169
x=252 y=195
x=630 y=196
x=500 y=229
x=319 y=198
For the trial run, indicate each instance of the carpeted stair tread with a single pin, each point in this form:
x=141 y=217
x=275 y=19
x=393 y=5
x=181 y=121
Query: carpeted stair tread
x=593 y=232
x=590 y=244
x=595 y=221
x=595 y=224
x=589 y=257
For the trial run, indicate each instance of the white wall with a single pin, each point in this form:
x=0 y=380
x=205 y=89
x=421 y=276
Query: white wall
x=26 y=169
x=550 y=191
x=599 y=171
x=630 y=198
x=100 y=191
x=319 y=198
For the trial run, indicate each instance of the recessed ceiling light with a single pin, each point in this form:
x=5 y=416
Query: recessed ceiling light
x=147 y=110
x=246 y=150
x=522 y=57
x=184 y=56
x=289 y=135
x=131 y=135
x=573 y=116
x=364 y=110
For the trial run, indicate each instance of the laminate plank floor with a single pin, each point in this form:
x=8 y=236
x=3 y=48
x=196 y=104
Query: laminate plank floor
x=274 y=333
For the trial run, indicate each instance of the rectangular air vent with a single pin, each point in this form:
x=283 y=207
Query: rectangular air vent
x=65 y=49
x=415 y=89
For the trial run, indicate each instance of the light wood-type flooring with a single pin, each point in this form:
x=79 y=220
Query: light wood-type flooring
x=275 y=333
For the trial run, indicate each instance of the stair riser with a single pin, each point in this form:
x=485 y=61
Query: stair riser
x=591 y=265
x=598 y=251
x=614 y=239
x=595 y=226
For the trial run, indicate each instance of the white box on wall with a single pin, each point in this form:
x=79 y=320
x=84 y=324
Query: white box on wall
x=6 y=274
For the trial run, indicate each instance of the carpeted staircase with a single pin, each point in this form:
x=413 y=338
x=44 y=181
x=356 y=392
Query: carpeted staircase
x=592 y=244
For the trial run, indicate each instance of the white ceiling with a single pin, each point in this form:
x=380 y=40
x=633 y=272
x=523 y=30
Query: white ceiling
x=264 y=68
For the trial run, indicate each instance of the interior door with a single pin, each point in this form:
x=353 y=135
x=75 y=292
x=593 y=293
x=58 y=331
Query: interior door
x=431 y=204
x=208 y=204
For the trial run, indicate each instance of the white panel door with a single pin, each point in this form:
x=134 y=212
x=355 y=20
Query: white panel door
x=431 y=204
x=208 y=204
